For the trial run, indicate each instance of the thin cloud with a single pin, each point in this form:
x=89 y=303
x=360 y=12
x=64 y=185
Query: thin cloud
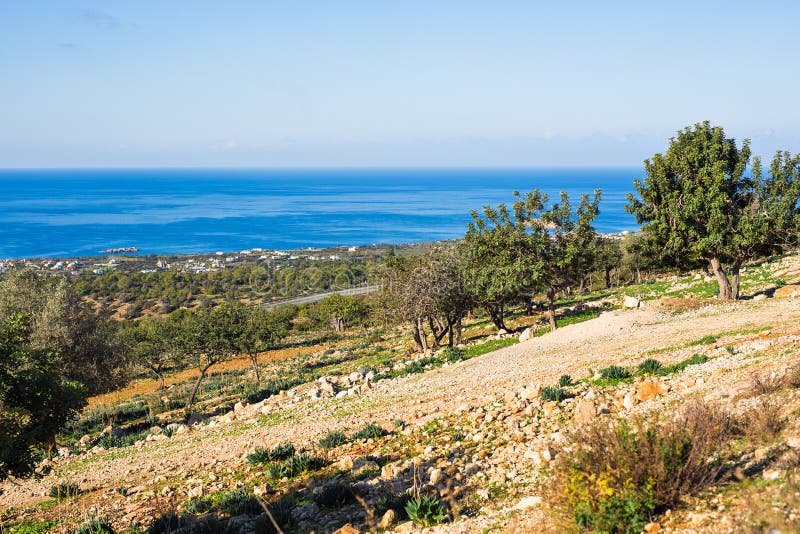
x=67 y=45
x=99 y=19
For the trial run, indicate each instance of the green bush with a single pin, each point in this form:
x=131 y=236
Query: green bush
x=95 y=525
x=335 y=495
x=650 y=366
x=369 y=431
x=396 y=501
x=454 y=354
x=554 y=393
x=565 y=381
x=622 y=474
x=263 y=456
x=297 y=464
x=33 y=527
x=333 y=440
x=64 y=490
x=425 y=511
x=615 y=372
x=199 y=505
x=240 y=502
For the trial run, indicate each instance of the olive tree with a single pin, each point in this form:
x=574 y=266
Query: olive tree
x=528 y=249
x=699 y=205
x=36 y=398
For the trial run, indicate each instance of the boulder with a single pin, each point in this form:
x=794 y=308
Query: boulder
x=585 y=412
x=436 y=477
x=650 y=389
x=630 y=302
x=388 y=519
x=527 y=334
x=787 y=292
x=347 y=529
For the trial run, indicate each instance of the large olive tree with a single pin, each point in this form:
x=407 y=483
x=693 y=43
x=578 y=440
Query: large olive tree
x=699 y=204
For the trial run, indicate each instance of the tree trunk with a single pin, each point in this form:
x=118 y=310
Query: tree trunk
x=551 y=312
x=496 y=314
x=423 y=337
x=201 y=376
x=528 y=306
x=608 y=278
x=254 y=361
x=735 y=281
x=725 y=290
x=160 y=375
x=417 y=337
x=458 y=331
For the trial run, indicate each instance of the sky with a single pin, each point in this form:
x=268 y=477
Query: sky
x=389 y=83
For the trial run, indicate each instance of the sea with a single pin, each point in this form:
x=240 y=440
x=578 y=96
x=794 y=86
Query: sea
x=80 y=212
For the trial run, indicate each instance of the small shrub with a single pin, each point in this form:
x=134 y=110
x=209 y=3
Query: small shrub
x=554 y=393
x=291 y=467
x=281 y=511
x=454 y=354
x=565 y=381
x=333 y=440
x=765 y=384
x=425 y=511
x=263 y=456
x=396 y=501
x=763 y=423
x=199 y=505
x=615 y=372
x=33 y=527
x=65 y=490
x=239 y=502
x=369 y=431
x=618 y=476
x=95 y=525
x=793 y=377
x=167 y=523
x=335 y=495
x=650 y=366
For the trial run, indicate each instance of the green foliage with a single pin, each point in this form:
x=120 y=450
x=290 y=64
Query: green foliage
x=341 y=311
x=509 y=253
x=36 y=399
x=695 y=359
x=565 y=381
x=622 y=474
x=554 y=393
x=240 y=502
x=263 y=456
x=95 y=525
x=293 y=466
x=64 y=490
x=697 y=205
x=454 y=354
x=396 y=500
x=650 y=366
x=370 y=431
x=705 y=340
x=33 y=527
x=335 y=495
x=425 y=511
x=615 y=372
x=110 y=441
x=333 y=440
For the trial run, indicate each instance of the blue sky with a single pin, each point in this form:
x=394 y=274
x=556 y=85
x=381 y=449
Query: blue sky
x=385 y=83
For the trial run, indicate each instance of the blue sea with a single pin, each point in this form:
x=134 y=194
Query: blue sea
x=78 y=212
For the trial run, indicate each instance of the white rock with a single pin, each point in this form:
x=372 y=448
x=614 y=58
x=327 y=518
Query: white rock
x=630 y=302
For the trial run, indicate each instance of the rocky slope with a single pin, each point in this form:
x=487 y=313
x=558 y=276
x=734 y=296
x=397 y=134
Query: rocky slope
x=478 y=433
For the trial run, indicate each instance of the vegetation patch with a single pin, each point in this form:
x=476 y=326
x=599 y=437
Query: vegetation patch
x=370 y=431
x=263 y=456
x=334 y=439
x=425 y=510
x=621 y=475
x=64 y=490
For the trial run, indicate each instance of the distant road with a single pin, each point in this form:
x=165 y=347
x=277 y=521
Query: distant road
x=316 y=297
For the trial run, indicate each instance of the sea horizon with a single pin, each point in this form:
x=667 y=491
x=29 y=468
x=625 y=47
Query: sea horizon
x=69 y=212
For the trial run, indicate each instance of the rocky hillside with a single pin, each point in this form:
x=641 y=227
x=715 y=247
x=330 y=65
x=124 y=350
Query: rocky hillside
x=486 y=438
